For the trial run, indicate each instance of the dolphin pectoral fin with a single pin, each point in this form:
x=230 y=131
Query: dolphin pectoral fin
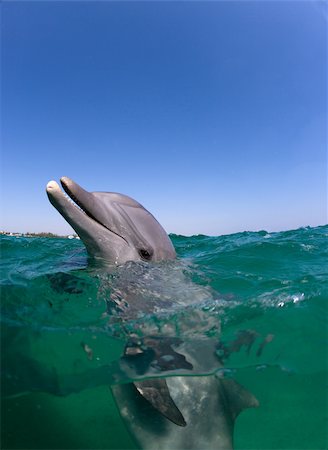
x=157 y=393
x=237 y=398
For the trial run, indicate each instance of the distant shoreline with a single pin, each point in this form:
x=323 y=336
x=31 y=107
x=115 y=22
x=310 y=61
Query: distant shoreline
x=42 y=234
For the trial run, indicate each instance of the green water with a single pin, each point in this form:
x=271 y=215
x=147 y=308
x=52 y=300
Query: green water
x=260 y=297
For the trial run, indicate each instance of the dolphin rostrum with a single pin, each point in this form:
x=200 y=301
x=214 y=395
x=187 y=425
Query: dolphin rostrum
x=178 y=412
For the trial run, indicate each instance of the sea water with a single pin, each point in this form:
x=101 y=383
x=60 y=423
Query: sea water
x=259 y=299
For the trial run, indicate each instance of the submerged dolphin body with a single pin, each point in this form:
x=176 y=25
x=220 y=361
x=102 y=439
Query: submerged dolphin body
x=179 y=412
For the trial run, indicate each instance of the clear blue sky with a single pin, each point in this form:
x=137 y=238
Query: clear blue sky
x=211 y=114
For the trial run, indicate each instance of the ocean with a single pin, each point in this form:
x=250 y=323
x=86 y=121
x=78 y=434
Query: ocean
x=259 y=299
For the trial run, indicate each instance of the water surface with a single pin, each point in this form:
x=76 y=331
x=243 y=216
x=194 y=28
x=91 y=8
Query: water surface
x=256 y=301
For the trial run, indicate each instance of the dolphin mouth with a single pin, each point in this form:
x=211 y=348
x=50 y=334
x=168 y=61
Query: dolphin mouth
x=64 y=201
x=77 y=203
x=64 y=181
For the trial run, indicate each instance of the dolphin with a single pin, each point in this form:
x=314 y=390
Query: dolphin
x=178 y=412
x=113 y=227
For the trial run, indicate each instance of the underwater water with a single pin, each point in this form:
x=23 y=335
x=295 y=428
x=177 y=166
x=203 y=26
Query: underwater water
x=250 y=306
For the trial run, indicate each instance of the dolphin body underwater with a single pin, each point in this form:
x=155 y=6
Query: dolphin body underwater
x=177 y=412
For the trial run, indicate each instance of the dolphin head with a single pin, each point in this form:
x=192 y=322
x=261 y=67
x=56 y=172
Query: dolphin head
x=113 y=227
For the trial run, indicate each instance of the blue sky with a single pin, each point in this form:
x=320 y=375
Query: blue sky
x=211 y=114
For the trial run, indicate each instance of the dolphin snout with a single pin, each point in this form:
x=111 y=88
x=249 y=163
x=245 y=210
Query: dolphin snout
x=52 y=185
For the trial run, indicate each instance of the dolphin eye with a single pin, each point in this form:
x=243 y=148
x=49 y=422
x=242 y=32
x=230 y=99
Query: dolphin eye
x=145 y=254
